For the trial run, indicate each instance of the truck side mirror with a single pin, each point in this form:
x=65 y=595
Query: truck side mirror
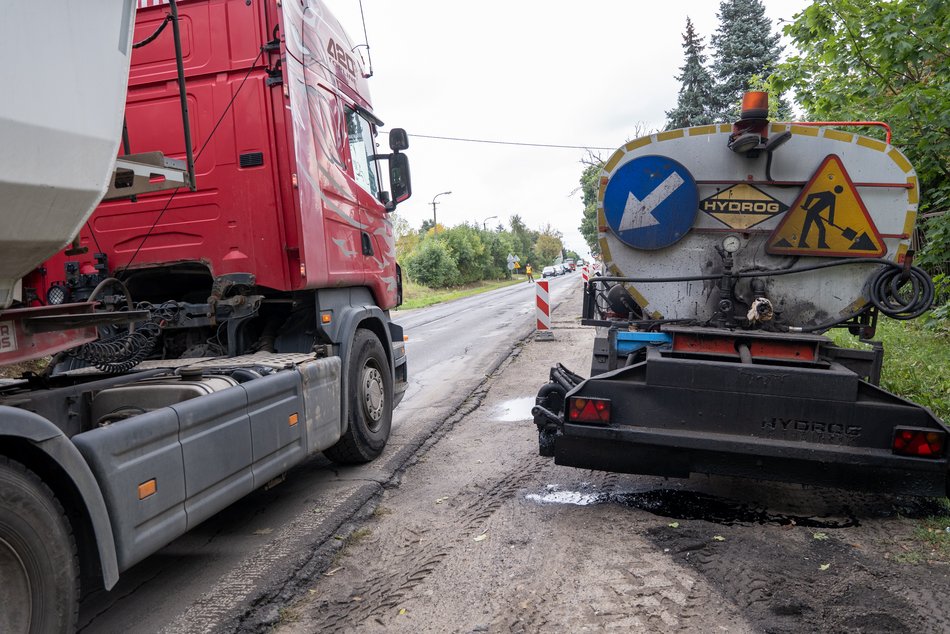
x=399 y=177
x=398 y=141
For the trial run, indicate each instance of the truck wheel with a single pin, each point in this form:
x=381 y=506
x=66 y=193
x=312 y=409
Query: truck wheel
x=370 y=402
x=39 y=568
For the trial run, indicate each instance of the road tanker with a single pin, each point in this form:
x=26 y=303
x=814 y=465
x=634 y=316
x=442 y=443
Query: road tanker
x=731 y=251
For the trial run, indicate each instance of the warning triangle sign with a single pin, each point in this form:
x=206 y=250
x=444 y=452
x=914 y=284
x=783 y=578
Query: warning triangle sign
x=828 y=218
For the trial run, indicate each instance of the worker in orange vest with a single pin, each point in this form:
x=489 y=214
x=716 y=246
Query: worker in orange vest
x=528 y=273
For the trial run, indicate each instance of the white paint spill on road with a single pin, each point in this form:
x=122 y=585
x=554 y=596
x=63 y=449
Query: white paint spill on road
x=514 y=410
x=565 y=497
x=554 y=495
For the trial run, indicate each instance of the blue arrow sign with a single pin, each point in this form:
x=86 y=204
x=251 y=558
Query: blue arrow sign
x=650 y=202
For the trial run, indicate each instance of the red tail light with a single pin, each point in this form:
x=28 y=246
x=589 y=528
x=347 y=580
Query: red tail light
x=588 y=410
x=920 y=443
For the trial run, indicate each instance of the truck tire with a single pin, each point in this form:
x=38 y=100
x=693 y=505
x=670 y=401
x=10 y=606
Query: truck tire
x=39 y=567
x=370 y=402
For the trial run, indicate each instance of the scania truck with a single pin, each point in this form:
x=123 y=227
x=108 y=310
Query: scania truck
x=194 y=234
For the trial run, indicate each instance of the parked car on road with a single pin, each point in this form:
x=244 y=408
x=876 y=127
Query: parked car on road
x=549 y=271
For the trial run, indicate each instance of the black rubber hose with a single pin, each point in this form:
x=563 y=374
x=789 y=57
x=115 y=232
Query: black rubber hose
x=155 y=34
x=885 y=294
x=889 y=292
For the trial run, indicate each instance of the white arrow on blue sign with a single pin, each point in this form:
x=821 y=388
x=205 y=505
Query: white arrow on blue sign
x=651 y=202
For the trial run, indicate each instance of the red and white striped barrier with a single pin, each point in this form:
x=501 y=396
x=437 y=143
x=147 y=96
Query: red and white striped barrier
x=585 y=274
x=543 y=309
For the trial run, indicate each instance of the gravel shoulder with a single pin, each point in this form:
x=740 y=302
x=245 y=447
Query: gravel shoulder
x=482 y=534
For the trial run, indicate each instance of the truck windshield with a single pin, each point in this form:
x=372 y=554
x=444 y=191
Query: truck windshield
x=362 y=147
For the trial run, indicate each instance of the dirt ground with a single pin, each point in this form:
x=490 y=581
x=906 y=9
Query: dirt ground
x=483 y=535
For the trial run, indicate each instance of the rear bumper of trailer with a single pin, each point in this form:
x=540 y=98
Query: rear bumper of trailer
x=672 y=417
x=659 y=452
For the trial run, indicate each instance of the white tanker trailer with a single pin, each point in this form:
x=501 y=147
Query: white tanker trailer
x=729 y=250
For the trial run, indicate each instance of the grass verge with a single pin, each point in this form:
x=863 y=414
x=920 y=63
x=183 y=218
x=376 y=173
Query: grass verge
x=917 y=367
x=418 y=296
x=916 y=362
x=929 y=540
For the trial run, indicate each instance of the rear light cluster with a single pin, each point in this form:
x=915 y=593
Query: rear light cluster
x=588 y=410
x=920 y=443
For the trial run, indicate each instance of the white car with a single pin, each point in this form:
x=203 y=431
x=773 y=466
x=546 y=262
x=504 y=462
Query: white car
x=549 y=271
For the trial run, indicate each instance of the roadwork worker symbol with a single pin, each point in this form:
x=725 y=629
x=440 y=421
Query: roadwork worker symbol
x=816 y=203
x=828 y=218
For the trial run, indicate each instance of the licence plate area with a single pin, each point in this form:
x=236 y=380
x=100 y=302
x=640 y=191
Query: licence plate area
x=7 y=337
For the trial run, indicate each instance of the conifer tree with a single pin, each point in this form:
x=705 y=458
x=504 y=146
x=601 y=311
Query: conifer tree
x=695 y=101
x=743 y=46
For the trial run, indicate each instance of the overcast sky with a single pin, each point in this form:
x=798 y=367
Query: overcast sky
x=596 y=73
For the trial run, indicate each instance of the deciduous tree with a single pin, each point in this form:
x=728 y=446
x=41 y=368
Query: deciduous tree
x=883 y=60
x=590 y=181
x=547 y=249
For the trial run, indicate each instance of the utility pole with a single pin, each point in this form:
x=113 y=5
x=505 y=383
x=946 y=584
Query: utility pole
x=434 y=222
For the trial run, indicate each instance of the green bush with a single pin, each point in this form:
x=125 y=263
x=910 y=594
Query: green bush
x=469 y=252
x=936 y=251
x=498 y=244
x=433 y=264
x=939 y=318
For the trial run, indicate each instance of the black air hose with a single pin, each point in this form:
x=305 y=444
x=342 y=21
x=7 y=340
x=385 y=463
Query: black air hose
x=889 y=292
x=121 y=352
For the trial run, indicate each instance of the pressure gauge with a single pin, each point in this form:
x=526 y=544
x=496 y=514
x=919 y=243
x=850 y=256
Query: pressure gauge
x=731 y=243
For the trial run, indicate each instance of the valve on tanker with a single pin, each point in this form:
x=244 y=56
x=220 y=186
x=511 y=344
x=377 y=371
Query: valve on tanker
x=621 y=303
x=725 y=313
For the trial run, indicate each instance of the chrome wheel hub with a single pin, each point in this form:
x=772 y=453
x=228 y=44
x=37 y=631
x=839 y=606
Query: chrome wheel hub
x=374 y=396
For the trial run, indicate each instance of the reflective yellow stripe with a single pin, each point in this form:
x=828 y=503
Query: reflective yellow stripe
x=666 y=136
x=703 y=129
x=874 y=144
x=838 y=135
x=901 y=161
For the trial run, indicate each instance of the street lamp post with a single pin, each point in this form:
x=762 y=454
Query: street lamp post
x=434 y=223
x=485 y=222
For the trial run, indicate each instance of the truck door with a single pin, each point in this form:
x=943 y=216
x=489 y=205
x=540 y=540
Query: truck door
x=377 y=243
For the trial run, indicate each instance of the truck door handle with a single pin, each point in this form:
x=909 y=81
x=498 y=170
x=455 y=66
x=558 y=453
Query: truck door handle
x=367 y=244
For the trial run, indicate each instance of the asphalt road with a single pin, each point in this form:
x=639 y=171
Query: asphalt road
x=482 y=534
x=224 y=575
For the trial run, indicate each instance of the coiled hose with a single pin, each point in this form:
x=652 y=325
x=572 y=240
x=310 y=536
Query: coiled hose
x=121 y=352
x=126 y=350
x=902 y=296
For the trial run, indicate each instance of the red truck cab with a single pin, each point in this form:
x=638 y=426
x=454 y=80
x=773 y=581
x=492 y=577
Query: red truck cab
x=242 y=319
x=289 y=188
